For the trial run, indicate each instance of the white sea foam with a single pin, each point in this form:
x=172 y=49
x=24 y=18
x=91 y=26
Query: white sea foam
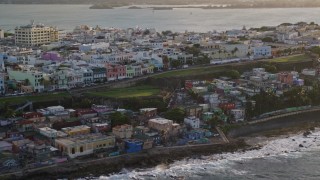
x=290 y=147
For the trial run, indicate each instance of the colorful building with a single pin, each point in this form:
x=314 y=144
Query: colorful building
x=34 y=78
x=133 y=146
x=115 y=72
x=77 y=130
x=84 y=145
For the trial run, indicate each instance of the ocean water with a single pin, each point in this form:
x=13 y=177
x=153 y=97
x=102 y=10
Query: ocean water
x=200 y=20
x=277 y=159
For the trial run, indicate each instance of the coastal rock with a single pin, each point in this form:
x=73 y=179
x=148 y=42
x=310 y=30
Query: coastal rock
x=300 y=145
x=306 y=134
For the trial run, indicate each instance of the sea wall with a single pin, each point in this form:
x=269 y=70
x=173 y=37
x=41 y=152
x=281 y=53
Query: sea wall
x=150 y=158
x=278 y=123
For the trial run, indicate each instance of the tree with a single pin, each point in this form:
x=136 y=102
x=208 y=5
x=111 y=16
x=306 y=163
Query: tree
x=267 y=39
x=84 y=103
x=175 y=63
x=41 y=81
x=270 y=68
x=189 y=62
x=195 y=50
x=176 y=114
x=27 y=82
x=213 y=122
x=233 y=74
x=249 y=110
x=118 y=118
x=9 y=113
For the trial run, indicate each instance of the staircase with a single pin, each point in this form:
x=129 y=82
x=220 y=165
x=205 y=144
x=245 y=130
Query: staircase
x=28 y=104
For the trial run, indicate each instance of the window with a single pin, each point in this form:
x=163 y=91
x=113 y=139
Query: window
x=81 y=149
x=73 y=151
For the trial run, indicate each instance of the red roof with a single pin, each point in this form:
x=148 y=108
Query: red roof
x=85 y=111
x=24 y=122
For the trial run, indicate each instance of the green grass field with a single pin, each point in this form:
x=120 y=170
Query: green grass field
x=136 y=91
x=291 y=59
x=35 y=98
x=186 y=72
x=211 y=69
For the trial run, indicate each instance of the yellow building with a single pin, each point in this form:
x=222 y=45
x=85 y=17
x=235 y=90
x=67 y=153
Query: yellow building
x=84 y=145
x=77 y=130
x=123 y=131
x=35 y=35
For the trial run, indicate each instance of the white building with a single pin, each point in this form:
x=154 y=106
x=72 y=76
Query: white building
x=309 y=72
x=192 y=121
x=51 y=133
x=238 y=114
x=262 y=51
x=55 y=109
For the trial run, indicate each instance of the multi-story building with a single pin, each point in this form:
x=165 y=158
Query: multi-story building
x=238 y=114
x=161 y=124
x=1 y=33
x=84 y=145
x=34 y=78
x=192 y=121
x=285 y=77
x=87 y=75
x=262 y=51
x=35 y=35
x=115 y=71
x=99 y=74
x=129 y=71
x=123 y=131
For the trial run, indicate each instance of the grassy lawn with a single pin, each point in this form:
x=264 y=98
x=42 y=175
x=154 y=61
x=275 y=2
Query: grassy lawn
x=186 y=72
x=291 y=59
x=35 y=98
x=136 y=91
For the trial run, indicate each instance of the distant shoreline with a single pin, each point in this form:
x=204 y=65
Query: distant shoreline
x=205 y=7
x=166 y=6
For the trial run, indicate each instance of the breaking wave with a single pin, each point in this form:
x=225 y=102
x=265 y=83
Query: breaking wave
x=221 y=164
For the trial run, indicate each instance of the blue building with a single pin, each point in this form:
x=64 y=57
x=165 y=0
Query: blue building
x=133 y=146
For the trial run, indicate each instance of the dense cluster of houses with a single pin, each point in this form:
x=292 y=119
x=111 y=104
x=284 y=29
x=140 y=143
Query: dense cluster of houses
x=56 y=134
x=93 y=54
x=225 y=99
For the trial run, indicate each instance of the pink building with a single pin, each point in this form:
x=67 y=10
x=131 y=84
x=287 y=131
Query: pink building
x=115 y=71
x=54 y=56
x=285 y=77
